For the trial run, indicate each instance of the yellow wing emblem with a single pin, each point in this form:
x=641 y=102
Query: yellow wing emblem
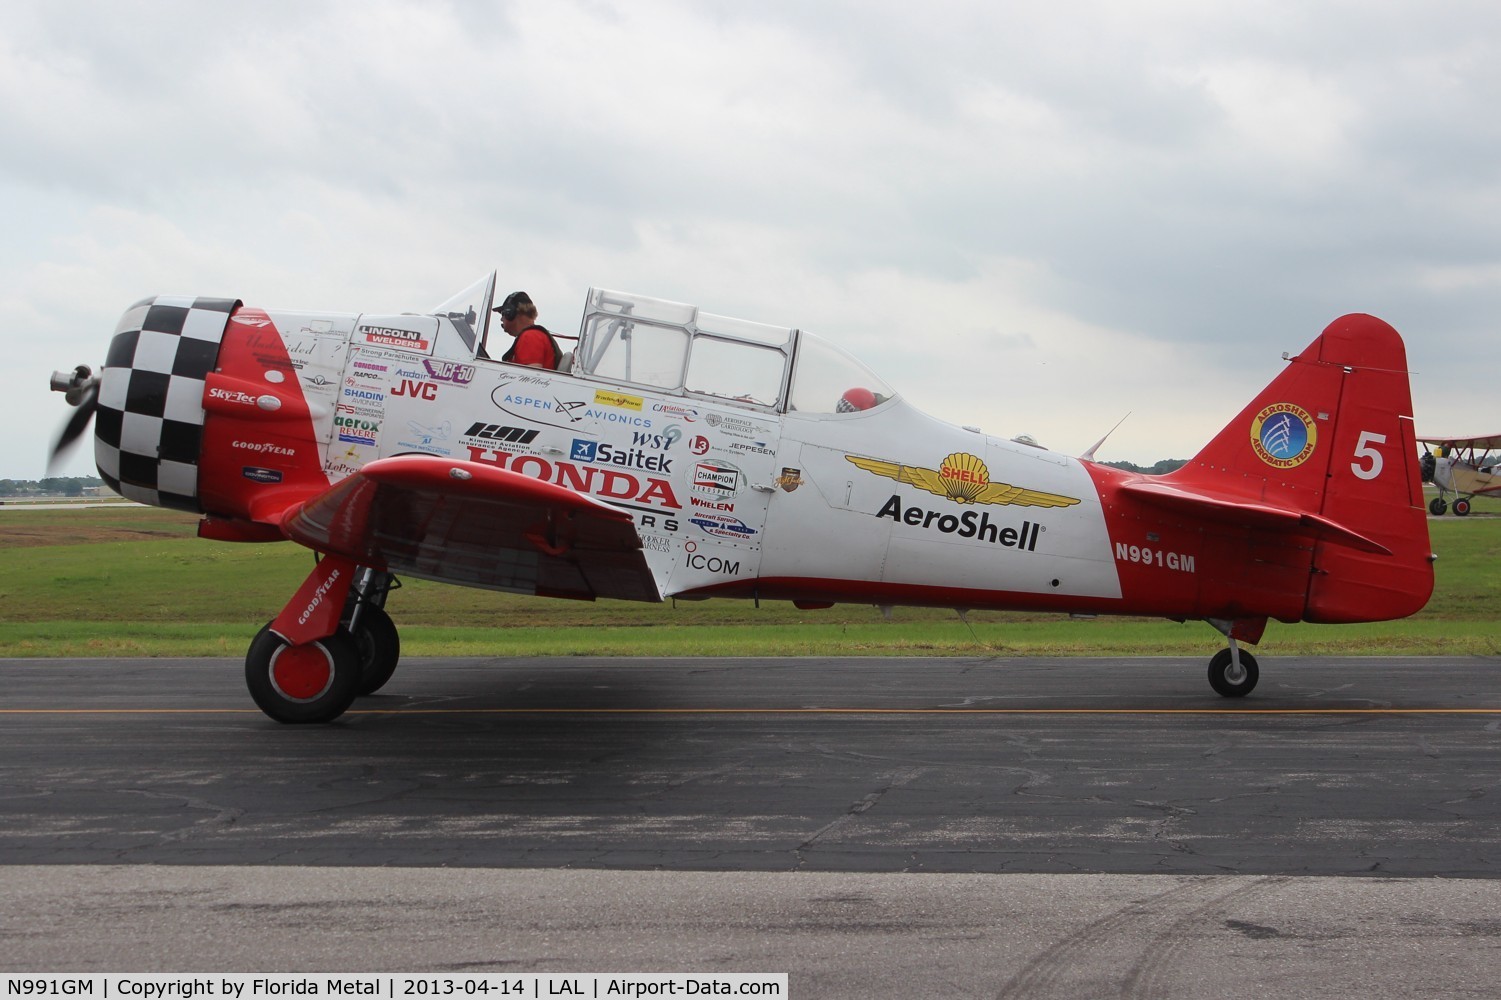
x=963 y=479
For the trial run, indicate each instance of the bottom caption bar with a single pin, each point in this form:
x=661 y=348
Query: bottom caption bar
x=259 y=986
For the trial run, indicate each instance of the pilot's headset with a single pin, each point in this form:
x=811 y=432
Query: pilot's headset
x=512 y=304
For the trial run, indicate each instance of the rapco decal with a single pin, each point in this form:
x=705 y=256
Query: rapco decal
x=1283 y=435
x=962 y=478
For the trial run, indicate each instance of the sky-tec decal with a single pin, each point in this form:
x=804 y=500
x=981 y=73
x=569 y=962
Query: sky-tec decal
x=962 y=478
x=1283 y=435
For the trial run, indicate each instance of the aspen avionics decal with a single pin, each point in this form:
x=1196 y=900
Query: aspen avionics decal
x=962 y=478
x=1283 y=435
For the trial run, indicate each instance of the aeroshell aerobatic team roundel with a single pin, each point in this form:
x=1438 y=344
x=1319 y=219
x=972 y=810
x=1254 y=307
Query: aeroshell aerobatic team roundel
x=1283 y=435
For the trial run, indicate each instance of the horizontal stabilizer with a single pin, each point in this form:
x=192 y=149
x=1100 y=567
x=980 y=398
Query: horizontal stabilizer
x=1250 y=513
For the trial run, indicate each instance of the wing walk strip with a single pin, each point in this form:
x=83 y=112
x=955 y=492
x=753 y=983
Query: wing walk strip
x=780 y=711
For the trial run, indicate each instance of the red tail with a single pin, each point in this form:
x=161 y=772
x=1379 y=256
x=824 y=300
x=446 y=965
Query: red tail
x=1332 y=438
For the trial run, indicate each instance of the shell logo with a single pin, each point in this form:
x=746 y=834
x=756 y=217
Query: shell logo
x=962 y=478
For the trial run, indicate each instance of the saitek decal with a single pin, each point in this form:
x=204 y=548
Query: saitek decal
x=1283 y=435
x=962 y=478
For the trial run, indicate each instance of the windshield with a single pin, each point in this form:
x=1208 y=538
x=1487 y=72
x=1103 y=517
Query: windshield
x=826 y=380
x=469 y=310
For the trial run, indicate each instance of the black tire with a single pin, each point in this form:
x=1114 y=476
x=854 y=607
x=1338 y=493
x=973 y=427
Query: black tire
x=379 y=645
x=1436 y=506
x=1461 y=507
x=315 y=682
x=1222 y=674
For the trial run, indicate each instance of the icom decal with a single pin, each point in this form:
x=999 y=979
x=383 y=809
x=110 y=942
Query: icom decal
x=962 y=478
x=1283 y=435
x=694 y=559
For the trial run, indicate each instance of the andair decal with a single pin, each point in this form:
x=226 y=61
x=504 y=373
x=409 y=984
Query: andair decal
x=1283 y=435
x=962 y=478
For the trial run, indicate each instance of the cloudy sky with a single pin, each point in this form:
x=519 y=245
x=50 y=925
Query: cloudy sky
x=1035 y=218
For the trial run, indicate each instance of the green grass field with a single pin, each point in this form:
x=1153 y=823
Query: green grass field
x=132 y=581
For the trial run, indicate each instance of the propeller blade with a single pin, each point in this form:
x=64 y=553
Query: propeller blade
x=76 y=424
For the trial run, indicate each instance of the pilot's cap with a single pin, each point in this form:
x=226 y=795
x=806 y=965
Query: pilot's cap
x=513 y=302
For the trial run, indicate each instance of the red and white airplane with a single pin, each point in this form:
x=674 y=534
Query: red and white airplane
x=680 y=454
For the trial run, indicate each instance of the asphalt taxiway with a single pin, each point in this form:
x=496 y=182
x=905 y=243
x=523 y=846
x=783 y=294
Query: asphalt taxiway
x=1027 y=826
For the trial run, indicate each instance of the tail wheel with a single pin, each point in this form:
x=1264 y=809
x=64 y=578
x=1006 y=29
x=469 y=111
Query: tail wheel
x=1461 y=507
x=1229 y=681
x=1436 y=506
x=379 y=645
x=312 y=682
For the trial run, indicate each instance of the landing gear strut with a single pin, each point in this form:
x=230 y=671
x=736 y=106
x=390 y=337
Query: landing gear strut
x=375 y=635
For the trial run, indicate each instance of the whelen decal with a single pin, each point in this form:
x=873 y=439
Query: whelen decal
x=1283 y=435
x=962 y=478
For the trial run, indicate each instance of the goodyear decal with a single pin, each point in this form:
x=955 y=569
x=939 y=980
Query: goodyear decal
x=964 y=479
x=1283 y=435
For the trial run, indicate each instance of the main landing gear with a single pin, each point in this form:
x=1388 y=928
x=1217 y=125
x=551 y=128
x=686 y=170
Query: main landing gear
x=332 y=643
x=1233 y=671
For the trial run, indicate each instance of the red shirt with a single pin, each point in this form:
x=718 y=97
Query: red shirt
x=533 y=347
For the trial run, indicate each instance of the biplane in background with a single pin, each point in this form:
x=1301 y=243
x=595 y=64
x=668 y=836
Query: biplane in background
x=1461 y=468
x=679 y=454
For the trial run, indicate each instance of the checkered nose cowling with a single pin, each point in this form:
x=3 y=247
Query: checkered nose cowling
x=148 y=429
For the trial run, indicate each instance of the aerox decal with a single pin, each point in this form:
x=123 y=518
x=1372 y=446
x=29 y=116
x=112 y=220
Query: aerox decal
x=962 y=478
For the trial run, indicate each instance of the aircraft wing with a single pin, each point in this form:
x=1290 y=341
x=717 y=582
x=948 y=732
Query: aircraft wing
x=1483 y=443
x=1249 y=512
x=477 y=525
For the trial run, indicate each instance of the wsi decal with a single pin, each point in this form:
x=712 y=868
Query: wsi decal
x=659 y=442
x=962 y=478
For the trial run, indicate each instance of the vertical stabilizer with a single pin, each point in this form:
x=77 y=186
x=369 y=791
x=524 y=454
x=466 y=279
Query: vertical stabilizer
x=1333 y=436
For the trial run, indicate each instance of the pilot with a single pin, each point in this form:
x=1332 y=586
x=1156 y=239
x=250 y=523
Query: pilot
x=857 y=399
x=534 y=345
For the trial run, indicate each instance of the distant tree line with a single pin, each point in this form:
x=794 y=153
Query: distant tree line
x=1161 y=468
x=54 y=486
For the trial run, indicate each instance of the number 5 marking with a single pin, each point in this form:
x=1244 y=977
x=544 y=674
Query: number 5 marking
x=1363 y=449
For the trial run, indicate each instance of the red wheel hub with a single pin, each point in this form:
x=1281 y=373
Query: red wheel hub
x=302 y=673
